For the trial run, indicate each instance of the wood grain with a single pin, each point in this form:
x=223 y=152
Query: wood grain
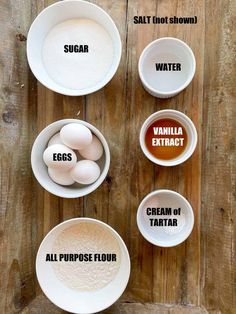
x=18 y=207
x=196 y=277
x=218 y=265
x=41 y=305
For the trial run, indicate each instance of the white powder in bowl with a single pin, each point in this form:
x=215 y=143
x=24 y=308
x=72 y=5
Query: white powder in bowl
x=78 y=70
x=85 y=238
x=180 y=224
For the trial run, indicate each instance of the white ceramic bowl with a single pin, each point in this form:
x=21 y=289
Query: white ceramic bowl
x=76 y=301
x=164 y=84
x=41 y=171
x=165 y=236
x=58 y=13
x=185 y=122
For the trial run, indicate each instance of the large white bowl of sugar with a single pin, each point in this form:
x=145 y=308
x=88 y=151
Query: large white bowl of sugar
x=83 y=265
x=73 y=47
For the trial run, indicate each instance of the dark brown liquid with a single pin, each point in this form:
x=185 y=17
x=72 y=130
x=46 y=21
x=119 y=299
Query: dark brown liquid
x=166 y=146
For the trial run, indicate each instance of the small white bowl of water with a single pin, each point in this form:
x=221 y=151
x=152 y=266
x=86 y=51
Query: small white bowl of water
x=166 y=67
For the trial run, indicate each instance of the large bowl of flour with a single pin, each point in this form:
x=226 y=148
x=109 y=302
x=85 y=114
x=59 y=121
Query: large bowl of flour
x=73 y=47
x=83 y=265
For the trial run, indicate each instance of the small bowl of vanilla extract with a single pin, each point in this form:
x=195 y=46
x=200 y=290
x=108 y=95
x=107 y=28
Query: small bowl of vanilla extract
x=168 y=137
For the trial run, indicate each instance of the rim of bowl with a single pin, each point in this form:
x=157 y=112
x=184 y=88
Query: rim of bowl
x=149 y=47
x=103 y=174
x=80 y=92
x=143 y=230
x=181 y=158
x=113 y=231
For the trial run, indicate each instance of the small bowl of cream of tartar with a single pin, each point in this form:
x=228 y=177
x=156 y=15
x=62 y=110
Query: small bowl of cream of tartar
x=165 y=218
x=73 y=47
x=83 y=265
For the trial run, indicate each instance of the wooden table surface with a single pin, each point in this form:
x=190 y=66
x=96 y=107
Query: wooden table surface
x=198 y=276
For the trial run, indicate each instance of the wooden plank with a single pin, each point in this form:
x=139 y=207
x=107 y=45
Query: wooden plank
x=153 y=308
x=219 y=167
x=41 y=305
x=17 y=250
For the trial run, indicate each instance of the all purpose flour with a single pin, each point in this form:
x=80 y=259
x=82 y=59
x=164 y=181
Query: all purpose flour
x=78 y=68
x=86 y=238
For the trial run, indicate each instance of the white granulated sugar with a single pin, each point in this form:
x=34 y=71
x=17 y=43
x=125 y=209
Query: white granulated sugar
x=78 y=70
x=86 y=238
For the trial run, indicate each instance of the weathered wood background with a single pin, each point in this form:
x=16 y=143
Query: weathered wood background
x=198 y=276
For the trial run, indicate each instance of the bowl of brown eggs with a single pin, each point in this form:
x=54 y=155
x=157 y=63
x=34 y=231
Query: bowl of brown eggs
x=70 y=158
